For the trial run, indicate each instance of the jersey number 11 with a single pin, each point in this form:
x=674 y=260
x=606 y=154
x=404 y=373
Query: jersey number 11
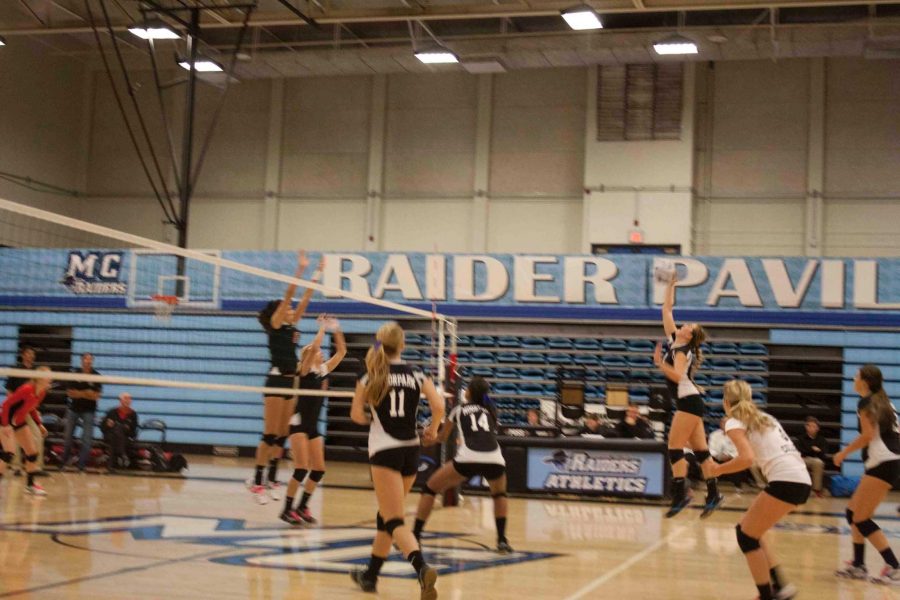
x=398 y=409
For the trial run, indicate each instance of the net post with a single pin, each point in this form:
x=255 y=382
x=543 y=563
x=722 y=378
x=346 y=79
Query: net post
x=451 y=387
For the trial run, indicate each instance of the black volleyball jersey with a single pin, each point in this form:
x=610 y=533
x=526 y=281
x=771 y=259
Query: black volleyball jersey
x=686 y=387
x=885 y=446
x=477 y=435
x=283 y=350
x=394 y=419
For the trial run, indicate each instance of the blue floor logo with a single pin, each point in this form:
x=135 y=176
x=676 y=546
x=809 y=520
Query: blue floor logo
x=325 y=549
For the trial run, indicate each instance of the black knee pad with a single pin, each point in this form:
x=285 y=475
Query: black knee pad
x=426 y=489
x=316 y=475
x=867 y=527
x=6 y=457
x=702 y=455
x=33 y=458
x=675 y=456
x=745 y=542
x=849 y=515
x=269 y=439
x=379 y=522
x=280 y=440
x=393 y=524
x=299 y=475
x=499 y=495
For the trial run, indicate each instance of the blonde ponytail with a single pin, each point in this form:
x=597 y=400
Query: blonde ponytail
x=739 y=399
x=388 y=344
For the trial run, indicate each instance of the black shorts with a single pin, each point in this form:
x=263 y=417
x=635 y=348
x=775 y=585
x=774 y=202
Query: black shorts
x=691 y=404
x=306 y=418
x=887 y=471
x=487 y=470
x=281 y=381
x=404 y=459
x=789 y=491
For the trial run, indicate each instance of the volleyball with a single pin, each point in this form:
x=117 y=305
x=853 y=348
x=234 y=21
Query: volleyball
x=664 y=271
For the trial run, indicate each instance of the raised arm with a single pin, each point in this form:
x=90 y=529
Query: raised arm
x=278 y=317
x=340 y=346
x=867 y=427
x=744 y=459
x=308 y=294
x=668 y=307
x=306 y=364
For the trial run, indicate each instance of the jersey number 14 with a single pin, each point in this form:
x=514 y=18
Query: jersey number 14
x=482 y=421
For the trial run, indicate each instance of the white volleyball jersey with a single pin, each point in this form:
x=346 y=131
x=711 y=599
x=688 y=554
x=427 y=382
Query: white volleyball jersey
x=885 y=445
x=686 y=387
x=477 y=442
x=776 y=455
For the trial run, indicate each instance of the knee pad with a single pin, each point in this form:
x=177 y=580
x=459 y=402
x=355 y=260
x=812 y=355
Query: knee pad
x=867 y=527
x=299 y=475
x=6 y=456
x=379 y=522
x=316 y=475
x=33 y=458
x=745 y=542
x=702 y=455
x=269 y=439
x=393 y=524
x=280 y=440
x=849 y=515
x=675 y=456
x=499 y=495
x=426 y=489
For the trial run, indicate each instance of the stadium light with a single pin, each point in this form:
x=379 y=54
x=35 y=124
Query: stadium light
x=582 y=18
x=437 y=55
x=2 y=41
x=675 y=44
x=154 y=29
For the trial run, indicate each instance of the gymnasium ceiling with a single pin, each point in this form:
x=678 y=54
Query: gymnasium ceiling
x=332 y=37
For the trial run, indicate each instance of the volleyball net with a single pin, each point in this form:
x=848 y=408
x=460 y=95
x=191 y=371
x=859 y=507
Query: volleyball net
x=177 y=328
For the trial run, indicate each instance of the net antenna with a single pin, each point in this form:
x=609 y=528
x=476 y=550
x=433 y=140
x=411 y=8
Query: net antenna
x=205 y=257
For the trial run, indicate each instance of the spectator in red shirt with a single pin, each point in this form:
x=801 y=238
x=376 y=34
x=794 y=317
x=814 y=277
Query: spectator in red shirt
x=14 y=432
x=119 y=431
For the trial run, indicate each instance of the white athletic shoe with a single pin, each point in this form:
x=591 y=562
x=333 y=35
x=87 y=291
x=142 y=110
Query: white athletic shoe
x=259 y=492
x=852 y=572
x=889 y=576
x=786 y=593
x=274 y=489
x=35 y=490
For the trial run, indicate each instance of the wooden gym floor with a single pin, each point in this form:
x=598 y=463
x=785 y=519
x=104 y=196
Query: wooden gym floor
x=114 y=537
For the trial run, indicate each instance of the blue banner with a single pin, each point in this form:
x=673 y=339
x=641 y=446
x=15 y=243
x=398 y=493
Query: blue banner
x=605 y=472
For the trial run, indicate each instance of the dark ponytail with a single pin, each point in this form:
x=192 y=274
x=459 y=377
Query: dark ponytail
x=265 y=315
x=480 y=394
x=880 y=407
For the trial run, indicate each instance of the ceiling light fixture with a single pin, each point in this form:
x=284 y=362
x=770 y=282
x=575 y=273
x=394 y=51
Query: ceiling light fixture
x=203 y=65
x=582 y=18
x=154 y=29
x=437 y=55
x=675 y=44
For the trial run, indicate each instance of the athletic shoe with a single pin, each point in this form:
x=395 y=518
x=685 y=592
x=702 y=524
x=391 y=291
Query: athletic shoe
x=259 y=492
x=711 y=505
x=35 y=490
x=889 y=576
x=427 y=579
x=503 y=547
x=306 y=516
x=851 y=571
x=678 y=506
x=291 y=518
x=788 y=592
x=274 y=489
x=364 y=583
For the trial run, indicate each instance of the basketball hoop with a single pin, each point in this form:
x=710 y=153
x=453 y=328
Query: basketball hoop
x=164 y=306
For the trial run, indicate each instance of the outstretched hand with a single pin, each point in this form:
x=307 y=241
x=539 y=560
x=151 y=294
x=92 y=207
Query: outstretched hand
x=657 y=355
x=302 y=262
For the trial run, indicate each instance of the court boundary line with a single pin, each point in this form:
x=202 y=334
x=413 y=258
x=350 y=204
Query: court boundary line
x=628 y=563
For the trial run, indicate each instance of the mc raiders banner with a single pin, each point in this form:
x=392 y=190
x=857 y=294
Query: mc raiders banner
x=480 y=282
x=605 y=472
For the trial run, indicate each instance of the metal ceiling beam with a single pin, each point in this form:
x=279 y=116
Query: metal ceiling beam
x=396 y=18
